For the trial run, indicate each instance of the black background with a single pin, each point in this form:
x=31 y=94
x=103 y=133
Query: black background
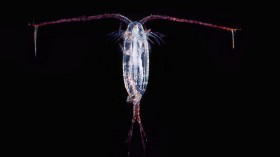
x=70 y=99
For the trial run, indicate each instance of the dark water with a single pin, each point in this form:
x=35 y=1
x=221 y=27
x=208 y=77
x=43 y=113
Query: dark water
x=71 y=98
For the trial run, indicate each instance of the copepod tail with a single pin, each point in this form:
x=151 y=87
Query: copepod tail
x=136 y=117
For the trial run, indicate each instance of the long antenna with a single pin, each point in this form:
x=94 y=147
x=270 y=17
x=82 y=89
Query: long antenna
x=35 y=39
x=76 y=19
x=232 y=36
x=85 y=18
x=175 y=19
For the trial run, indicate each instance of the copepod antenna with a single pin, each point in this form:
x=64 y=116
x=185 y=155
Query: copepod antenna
x=76 y=19
x=175 y=19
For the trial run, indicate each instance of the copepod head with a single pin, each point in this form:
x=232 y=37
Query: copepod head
x=135 y=29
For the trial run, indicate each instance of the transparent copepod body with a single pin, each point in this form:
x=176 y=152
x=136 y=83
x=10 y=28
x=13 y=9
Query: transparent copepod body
x=135 y=62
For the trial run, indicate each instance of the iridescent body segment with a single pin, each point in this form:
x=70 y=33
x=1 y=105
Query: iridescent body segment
x=135 y=56
x=135 y=62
